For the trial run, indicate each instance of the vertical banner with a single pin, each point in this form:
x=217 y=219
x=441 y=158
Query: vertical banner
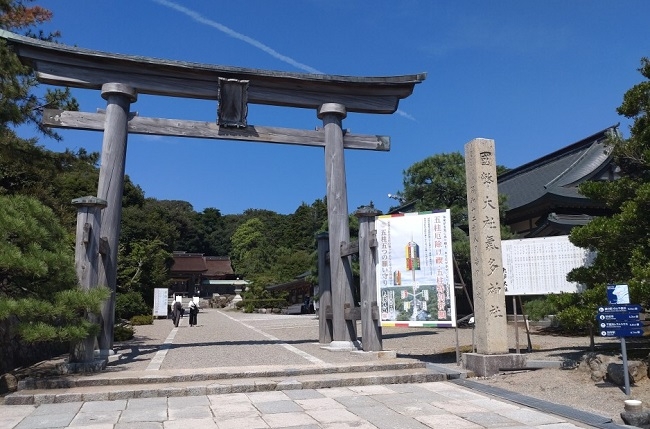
x=160 y=302
x=415 y=270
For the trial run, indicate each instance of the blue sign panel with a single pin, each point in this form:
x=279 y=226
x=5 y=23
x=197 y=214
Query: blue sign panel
x=619 y=308
x=622 y=332
x=605 y=317
x=618 y=325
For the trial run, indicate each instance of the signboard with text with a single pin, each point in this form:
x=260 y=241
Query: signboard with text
x=415 y=270
x=619 y=320
x=160 y=302
x=539 y=266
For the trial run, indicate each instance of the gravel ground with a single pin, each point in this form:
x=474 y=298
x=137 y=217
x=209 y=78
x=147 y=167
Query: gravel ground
x=193 y=348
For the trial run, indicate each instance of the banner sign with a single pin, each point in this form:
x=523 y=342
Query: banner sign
x=539 y=266
x=415 y=270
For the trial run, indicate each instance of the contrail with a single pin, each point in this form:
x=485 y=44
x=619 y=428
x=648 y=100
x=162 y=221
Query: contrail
x=232 y=33
x=259 y=45
x=405 y=115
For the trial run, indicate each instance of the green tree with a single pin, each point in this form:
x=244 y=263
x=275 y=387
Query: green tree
x=251 y=248
x=144 y=268
x=621 y=239
x=38 y=282
x=438 y=182
x=36 y=257
x=19 y=103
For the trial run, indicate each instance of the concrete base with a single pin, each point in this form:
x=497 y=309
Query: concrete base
x=96 y=365
x=342 y=346
x=488 y=365
x=104 y=353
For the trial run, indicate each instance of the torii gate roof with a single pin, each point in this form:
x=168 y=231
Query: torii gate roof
x=75 y=67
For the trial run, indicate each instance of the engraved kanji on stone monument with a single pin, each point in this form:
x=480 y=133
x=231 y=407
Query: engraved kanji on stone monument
x=485 y=247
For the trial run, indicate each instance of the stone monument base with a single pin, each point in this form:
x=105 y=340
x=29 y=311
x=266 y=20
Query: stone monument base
x=488 y=365
x=342 y=346
x=96 y=365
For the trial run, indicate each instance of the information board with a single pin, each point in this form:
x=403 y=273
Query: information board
x=415 y=277
x=160 y=302
x=538 y=266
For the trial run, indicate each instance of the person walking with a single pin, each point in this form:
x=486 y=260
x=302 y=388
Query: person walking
x=177 y=311
x=194 y=310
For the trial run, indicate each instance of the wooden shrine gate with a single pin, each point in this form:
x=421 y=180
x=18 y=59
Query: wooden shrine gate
x=120 y=78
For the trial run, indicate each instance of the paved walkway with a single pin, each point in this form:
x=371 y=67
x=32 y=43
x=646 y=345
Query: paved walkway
x=229 y=339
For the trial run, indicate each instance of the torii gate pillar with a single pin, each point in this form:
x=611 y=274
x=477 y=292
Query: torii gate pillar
x=111 y=187
x=344 y=331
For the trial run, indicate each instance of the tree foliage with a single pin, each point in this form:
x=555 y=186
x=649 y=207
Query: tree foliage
x=439 y=182
x=38 y=283
x=621 y=239
x=36 y=256
x=62 y=317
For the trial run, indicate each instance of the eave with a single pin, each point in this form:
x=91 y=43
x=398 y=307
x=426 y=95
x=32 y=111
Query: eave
x=75 y=67
x=551 y=202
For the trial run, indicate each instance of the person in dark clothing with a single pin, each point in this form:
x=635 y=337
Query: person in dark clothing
x=194 y=309
x=177 y=312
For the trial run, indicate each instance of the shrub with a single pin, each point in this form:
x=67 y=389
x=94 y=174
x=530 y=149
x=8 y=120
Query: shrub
x=130 y=304
x=142 y=319
x=123 y=332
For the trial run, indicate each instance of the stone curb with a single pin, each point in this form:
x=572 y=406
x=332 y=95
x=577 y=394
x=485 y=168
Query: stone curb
x=207 y=374
x=235 y=385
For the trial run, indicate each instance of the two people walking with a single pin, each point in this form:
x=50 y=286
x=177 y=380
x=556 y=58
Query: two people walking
x=177 y=312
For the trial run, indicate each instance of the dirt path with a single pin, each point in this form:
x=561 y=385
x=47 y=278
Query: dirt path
x=572 y=387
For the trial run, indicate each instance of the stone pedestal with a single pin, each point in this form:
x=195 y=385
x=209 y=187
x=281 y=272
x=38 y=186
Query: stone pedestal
x=342 y=346
x=488 y=365
x=96 y=365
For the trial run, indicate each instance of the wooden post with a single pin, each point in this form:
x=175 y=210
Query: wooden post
x=325 y=335
x=370 y=320
x=111 y=186
x=86 y=262
x=344 y=331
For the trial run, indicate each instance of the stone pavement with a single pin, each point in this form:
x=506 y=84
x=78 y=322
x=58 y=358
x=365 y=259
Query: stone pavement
x=237 y=370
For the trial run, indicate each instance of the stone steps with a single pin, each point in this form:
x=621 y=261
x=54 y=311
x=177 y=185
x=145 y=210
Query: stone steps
x=210 y=381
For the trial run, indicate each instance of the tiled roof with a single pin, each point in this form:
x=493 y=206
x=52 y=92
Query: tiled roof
x=191 y=262
x=557 y=175
x=218 y=265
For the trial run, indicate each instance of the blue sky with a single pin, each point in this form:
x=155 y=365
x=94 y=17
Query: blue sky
x=534 y=76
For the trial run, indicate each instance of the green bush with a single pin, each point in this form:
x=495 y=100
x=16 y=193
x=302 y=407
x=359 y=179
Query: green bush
x=142 y=319
x=123 y=332
x=130 y=304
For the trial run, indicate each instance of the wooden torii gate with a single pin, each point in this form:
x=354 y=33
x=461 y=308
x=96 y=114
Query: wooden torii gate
x=120 y=78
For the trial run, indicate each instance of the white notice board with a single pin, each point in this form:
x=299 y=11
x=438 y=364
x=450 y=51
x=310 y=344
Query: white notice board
x=539 y=266
x=160 y=302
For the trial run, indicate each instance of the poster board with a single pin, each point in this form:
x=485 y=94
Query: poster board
x=415 y=277
x=160 y=302
x=539 y=266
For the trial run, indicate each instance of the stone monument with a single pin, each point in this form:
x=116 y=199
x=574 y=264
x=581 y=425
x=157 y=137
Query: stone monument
x=487 y=269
